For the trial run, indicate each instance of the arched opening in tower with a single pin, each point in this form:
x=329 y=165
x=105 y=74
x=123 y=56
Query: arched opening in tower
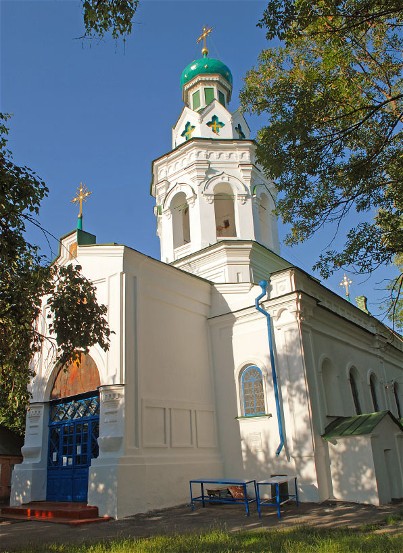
x=180 y=220
x=224 y=211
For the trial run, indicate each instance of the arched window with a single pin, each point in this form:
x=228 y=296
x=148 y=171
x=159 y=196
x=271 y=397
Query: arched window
x=373 y=385
x=330 y=379
x=397 y=400
x=264 y=211
x=224 y=211
x=180 y=220
x=354 y=391
x=252 y=391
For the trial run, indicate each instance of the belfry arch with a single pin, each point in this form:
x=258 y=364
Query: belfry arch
x=180 y=220
x=224 y=211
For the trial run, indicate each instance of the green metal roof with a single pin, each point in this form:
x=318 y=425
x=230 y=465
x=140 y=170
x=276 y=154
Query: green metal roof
x=358 y=425
x=206 y=66
x=85 y=238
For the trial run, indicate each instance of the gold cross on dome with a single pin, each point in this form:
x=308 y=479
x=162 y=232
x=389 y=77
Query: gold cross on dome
x=82 y=195
x=346 y=283
x=205 y=32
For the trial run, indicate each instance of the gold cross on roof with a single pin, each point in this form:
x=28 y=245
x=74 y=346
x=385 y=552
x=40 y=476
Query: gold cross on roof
x=346 y=283
x=205 y=32
x=82 y=195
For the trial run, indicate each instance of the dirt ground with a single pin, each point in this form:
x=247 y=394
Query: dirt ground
x=17 y=534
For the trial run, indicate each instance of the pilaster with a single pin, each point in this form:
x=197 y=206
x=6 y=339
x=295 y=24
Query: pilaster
x=29 y=477
x=103 y=472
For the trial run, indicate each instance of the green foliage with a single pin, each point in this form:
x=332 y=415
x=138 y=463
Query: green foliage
x=78 y=321
x=22 y=282
x=394 y=303
x=283 y=16
x=333 y=97
x=105 y=16
x=298 y=539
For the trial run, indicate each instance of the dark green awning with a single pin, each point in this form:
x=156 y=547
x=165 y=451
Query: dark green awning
x=359 y=425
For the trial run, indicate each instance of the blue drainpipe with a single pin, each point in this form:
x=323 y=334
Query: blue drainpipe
x=263 y=285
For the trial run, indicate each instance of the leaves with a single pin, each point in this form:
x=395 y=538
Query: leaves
x=333 y=98
x=394 y=303
x=103 y=16
x=22 y=282
x=78 y=321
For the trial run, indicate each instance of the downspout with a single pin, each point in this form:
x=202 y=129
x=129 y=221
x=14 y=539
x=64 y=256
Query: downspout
x=263 y=285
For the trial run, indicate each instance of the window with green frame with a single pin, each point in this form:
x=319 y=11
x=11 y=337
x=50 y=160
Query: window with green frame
x=221 y=98
x=208 y=95
x=196 y=99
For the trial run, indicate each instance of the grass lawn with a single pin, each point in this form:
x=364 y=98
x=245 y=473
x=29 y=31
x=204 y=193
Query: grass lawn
x=294 y=540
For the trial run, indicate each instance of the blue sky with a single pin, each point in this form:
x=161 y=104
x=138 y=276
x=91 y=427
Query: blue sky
x=100 y=111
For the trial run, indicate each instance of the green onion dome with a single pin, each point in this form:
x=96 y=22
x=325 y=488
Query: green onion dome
x=205 y=66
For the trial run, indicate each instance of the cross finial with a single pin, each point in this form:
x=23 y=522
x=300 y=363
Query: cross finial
x=346 y=283
x=82 y=195
x=205 y=32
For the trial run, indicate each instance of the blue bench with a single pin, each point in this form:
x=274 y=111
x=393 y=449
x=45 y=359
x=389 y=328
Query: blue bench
x=277 y=499
x=231 y=492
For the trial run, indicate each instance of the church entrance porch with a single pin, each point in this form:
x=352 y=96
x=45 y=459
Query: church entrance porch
x=73 y=435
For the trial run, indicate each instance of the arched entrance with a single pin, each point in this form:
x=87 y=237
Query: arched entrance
x=73 y=430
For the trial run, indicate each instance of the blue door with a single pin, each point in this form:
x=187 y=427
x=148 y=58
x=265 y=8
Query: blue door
x=73 y=433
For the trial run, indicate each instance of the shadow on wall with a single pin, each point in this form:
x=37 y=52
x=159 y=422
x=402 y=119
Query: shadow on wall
x=353 y=469
x=249 y=443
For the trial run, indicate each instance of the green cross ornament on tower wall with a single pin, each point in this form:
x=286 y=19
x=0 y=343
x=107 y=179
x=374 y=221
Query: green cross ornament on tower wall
x=215 y=124
x=187 y=133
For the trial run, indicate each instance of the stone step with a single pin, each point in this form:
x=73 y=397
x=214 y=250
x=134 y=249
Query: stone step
x=52 y=511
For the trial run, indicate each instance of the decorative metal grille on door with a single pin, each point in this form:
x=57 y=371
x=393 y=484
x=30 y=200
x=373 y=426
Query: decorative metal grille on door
x=73 y=433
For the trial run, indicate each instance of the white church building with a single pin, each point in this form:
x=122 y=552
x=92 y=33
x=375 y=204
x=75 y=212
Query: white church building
x=227 y=360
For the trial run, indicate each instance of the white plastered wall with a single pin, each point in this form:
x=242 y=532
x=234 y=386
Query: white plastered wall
x=249 y=444
x=366 y=469
x=199 y=167
x=169 y=422
x=103 y=266
x=353 y=471
x=331 y=341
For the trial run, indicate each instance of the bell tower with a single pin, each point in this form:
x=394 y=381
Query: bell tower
x=212 y=200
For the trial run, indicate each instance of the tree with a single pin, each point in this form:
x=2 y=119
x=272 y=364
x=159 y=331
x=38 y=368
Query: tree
x=102 y=16
x=78 y=322
x=394 y=303
x=333 y=96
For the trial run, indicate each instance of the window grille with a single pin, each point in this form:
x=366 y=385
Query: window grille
x=252 y=391
x=74 y=409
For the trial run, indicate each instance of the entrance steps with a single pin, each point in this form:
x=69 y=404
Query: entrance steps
x=54 y=511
